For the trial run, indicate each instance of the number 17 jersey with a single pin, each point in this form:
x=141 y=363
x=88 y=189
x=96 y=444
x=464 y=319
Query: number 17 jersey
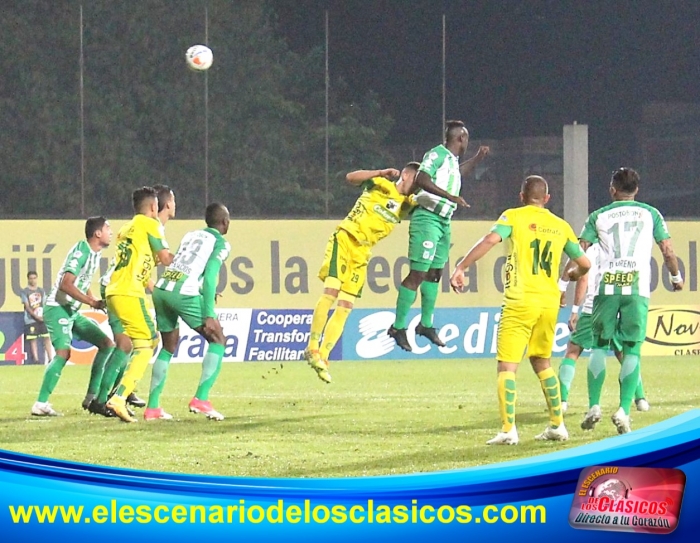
x=536 y=240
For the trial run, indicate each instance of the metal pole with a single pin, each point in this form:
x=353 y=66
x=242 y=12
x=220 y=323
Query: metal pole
x=444 y=77
x=206 y=110
x=327 y=127
x=82 y=120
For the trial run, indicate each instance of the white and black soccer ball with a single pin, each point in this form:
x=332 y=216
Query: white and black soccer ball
x=199 y=58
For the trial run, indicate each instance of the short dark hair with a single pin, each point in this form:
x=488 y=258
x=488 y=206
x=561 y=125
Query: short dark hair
x=413 y=165
x=453 y=129
x=141 y=195
x=215 y=214
x=92 y=225
x=165 y=193
x=625 y=180
x=30 y=273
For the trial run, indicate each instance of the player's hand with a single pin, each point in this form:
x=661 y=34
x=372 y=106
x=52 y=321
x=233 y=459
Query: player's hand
x=573 y=321
x=459 y=201
x=483 y=152
x=211 y=326
x=457 y=280
x=677 y=286
x=562 y=299
x=390 y=173
x=100 y=305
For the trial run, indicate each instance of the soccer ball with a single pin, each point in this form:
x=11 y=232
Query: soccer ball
x=199 y=58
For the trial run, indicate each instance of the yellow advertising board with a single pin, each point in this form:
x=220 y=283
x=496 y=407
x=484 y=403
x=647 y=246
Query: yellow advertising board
x=273 y=264
x=673 y=331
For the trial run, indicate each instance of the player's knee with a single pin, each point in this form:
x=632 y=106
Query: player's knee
x=63 y=352
x=434 y=275
x=414 y=279
x=123 y=343
x=106 y=343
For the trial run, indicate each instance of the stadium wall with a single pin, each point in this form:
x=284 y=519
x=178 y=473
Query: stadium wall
x=270 y=280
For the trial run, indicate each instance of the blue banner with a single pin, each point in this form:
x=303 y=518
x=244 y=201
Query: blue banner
x=527 y=500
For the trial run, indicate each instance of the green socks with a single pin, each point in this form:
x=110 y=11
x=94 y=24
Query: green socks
x=51 y=377
x=97 y=370
x=629 y=380
x=403 y=306
x=113 y=368
x=596 y=376
x=158 y=376
x=567 y=371
x=428 y=298
x=211 y=366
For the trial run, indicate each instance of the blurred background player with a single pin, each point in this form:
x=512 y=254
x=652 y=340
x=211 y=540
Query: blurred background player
x=377 y=211
x=187 y=291
x=33 y=298
x=531 y=300
x=626 y=231
x=440 y=181
x=581 y=327
x=62 y=317
x=139 y=243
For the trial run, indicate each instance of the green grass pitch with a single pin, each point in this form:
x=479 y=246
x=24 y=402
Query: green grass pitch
x=377 y=418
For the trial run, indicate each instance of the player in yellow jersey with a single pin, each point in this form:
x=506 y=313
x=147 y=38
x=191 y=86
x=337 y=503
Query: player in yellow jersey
x=530 y=308
x=140 y=246
x=377 y=211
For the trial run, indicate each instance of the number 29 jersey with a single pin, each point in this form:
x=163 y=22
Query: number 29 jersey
x=626 y=232
x=536 y=239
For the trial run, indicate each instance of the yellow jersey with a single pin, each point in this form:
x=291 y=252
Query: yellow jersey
x=137 y=242
x=377 y=211
x=536 y=240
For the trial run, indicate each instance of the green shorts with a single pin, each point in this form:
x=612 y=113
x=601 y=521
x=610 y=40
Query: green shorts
x=64 y=324
x=583 y=335
x=428 y=240
x=622 y=318
x=170 y=306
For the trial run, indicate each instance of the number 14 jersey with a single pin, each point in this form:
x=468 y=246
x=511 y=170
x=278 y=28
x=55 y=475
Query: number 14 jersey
x=536 y=239
x=626 y=232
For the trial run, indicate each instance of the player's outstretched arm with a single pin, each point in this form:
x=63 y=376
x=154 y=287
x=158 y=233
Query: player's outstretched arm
x=467 y=167
x=360 y=176
x=671 y=261
x=68 y=286
x=483 y=246
x=424 y=182
x=165 y=257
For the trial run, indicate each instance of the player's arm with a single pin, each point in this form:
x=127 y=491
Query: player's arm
x=671 y=261
x=579 y=298
x=210 y=280
x=425 y=182
x=579 y=265
x=68 y=286
x=467 y=167
x=360 y=176
x=481 y=248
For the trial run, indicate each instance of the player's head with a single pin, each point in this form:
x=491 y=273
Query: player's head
x=534 y=191
x=32 y=278
x=166 y=201
x=624 y=184
x=145 y=201
x=407 y=181
x=456 y=137
x=217 y=216
x=98 y=228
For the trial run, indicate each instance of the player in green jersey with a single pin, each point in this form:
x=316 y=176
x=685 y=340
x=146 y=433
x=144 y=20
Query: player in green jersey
x=61 y=312
x=187 y=291
x=440 y=180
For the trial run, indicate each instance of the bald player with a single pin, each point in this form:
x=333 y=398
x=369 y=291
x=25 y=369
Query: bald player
x=536 y=238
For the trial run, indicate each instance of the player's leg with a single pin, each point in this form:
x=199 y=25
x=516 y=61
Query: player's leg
x=60 y=326
x=632 y=332
x=513 y=335
x=115 y=366
x=334 y=261
x=87 y=330
x=423 y=237
x=540 y=352
x=581 y=339
x=430 y=287
x=139 y=326
x=211 y=367
x=46 y=341
x=165 y=304
x=640 y=399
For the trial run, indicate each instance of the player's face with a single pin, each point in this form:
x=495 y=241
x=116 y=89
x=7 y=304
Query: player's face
x=408 y=181
x=172 y=206
x=105 y=234
x=464 y=142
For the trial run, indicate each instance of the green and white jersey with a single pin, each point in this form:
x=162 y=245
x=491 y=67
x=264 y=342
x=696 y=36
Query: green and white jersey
x=593 y=254
x=104 y=280
x=626 y=231
x=196 y=264
x=82 y=262
x=443 y=168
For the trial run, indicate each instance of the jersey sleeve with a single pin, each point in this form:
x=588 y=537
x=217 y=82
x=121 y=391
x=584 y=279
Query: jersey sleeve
x=211 y=277
x=156 y=236
x=432 y=160
x=23 y=296
x=504 y=225
x=571 y=247
x=589 y=232
x=77 y=258
x=660 y=228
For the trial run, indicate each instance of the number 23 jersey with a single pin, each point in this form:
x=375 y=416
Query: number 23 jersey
x=536 y=239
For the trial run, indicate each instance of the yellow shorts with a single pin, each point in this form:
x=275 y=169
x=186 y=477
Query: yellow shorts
x=134 y=316
x=346 y=260
x=526 y=327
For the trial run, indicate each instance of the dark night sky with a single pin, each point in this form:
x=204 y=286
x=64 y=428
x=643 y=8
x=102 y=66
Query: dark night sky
x=514 y=68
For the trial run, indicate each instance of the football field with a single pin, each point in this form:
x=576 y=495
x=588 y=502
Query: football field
x=377 y=418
